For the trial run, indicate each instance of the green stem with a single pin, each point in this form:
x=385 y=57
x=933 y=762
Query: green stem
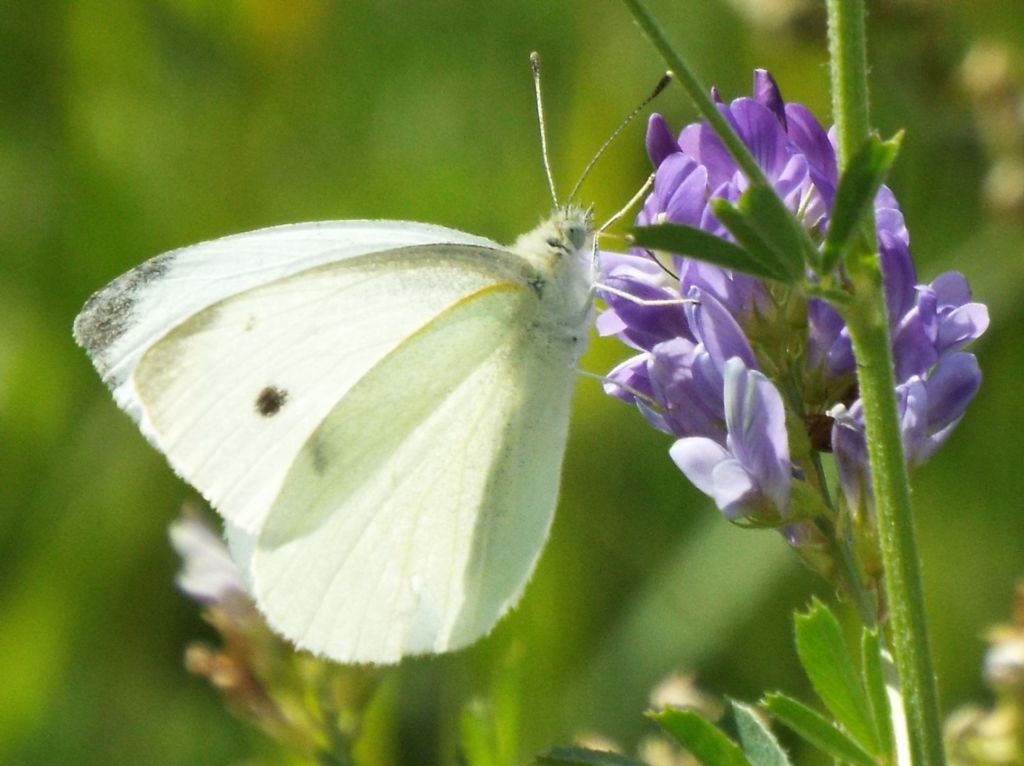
x=904 y=591
x=847 y=51
x=697 y=92
x=867 y=320
x=846 y=557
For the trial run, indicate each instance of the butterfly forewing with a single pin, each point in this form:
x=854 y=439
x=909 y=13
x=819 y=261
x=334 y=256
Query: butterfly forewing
x=127 y=316
x=231 y=393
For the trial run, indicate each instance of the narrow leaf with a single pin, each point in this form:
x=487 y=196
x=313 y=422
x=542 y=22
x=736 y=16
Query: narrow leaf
x=816 y=729
x=702 y=245
x=506 y=706
x=756 y=246
x=476 y=735
x=701 y=737
x=581 y=756
x=874 y=682
x=823 y=653
x=855 y=196
x=489 y=729
x=770 y=217
x=757 y=740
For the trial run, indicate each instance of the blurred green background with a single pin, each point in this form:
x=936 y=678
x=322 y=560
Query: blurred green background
x=130 y=128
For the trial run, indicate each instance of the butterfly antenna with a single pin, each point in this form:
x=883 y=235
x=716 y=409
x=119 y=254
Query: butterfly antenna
x=662 y=84
x=535 y=68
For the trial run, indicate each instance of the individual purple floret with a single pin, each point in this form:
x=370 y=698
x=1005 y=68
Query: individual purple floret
x=929 y=410
x=208 y=573
x=750 y=476
x=678 y=382
x=716 y=347
x=942 y=320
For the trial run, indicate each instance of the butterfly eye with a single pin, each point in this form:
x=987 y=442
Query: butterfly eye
x=575 y=233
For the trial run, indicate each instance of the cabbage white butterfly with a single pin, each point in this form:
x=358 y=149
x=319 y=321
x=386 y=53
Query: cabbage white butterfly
x=378 y=409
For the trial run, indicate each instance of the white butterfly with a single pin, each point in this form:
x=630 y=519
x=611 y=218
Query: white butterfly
x=378 y=409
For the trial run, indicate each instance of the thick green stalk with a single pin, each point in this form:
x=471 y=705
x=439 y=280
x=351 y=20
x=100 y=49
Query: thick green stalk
x=868 y=323
x=869 y=332
x=847 y=53
x=697 y=92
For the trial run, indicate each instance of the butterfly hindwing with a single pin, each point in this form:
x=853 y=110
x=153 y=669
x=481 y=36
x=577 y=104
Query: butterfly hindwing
x=415 y=512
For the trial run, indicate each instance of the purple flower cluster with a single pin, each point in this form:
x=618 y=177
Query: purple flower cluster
x=726 y=362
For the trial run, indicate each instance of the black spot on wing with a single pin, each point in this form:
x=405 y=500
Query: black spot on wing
x=270 y=401
x=109 y=312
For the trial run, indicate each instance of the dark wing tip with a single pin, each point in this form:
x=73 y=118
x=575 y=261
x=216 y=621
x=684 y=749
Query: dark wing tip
x=109 y=312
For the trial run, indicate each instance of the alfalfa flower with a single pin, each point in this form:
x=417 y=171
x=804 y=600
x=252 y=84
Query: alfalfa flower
x=310 y=706
x=929 y=407
x=754 y=378
x=208 y=573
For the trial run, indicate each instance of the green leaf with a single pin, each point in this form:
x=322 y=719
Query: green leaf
x=816 y=729
x=757 y=740
x=489 y=729
x=506 y=705
x=701 y=737
x=855 y=196
x=823 y=653
x=874 y=682
x=476 y=735
x=779 y=229
x=702 y=245
x=744 y=232
x=581 y=756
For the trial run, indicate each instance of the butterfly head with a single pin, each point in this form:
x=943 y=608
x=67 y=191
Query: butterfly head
x=575 y=227
x=561 y=252
x=561 y=243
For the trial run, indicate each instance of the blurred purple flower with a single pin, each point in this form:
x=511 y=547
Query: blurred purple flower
x=312 y=707
x=208 y=573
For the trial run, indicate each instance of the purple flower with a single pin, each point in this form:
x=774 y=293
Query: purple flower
x=691 y=170
x=678 y=383
x=208 y=573
x=929 y=409
x=942 y=320
x=687 y=388
x=710 y=340
x=638 y=325
x=749 y=477
x=936 y=380
x=730 y=417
